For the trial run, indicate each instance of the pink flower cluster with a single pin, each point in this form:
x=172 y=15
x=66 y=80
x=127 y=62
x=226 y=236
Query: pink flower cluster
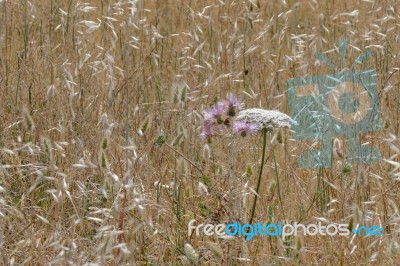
x=221 y=117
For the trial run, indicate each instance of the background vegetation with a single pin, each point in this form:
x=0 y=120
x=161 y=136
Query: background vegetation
x=100 y=115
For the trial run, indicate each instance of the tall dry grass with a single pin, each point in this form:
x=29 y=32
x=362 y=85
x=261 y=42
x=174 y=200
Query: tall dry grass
x=100 y=112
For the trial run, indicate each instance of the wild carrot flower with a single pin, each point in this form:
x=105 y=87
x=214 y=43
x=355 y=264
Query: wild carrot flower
x=244 y=128
x=265 y=119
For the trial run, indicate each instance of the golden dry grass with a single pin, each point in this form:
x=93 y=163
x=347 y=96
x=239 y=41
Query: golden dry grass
x=88 y=96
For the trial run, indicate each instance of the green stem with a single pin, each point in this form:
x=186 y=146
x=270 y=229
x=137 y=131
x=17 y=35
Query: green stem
x=260 y=175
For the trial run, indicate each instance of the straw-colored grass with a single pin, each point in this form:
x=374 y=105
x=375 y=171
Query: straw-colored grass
x=100 y=114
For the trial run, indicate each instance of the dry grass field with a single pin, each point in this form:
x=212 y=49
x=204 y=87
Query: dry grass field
x=101 y=110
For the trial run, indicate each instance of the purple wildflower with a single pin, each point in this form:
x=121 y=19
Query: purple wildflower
x=244 y=128
x=218 y=118
x=207 y=132
x=210 y=130
x=215 y=114
x=233 y=104
x=204 y=136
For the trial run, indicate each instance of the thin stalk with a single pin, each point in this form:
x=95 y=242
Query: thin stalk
x=316 y=196
x=260 y=174
x=231 y=203
x=186 y=159
x=277 y=185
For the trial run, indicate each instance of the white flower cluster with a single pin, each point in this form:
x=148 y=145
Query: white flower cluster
x=264 y=119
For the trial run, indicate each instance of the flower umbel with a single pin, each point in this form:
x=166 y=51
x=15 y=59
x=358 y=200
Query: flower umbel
x=265 y=119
